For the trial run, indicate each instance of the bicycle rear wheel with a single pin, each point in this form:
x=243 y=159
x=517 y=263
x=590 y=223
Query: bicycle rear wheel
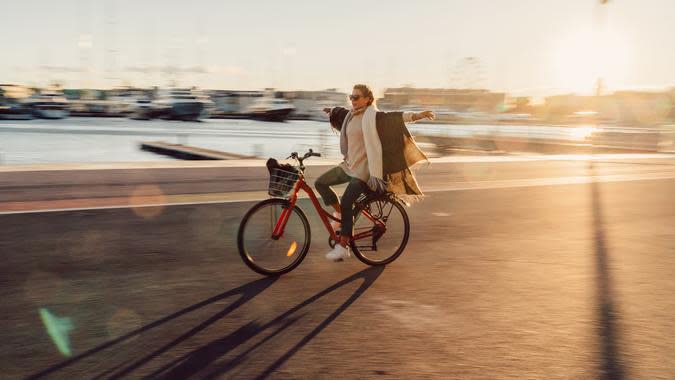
x=260 y=251
x=386 y=236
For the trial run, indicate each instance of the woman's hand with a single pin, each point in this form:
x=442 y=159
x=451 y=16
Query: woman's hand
x=425 y=115
x=378 y=185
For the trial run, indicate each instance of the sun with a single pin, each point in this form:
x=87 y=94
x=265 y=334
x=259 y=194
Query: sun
x=581 y=57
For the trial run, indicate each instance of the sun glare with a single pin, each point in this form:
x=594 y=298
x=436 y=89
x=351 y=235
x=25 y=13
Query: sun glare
x=582 y=132
x=581 y=57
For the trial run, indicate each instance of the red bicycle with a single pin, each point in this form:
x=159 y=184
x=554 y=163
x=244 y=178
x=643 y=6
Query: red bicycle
x=274 y=235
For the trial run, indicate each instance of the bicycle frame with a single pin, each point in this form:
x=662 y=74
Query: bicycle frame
x=323 y=214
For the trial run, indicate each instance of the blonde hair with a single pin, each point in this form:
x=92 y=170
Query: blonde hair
x=366 y=91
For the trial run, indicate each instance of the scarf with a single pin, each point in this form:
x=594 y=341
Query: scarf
x=358 y=111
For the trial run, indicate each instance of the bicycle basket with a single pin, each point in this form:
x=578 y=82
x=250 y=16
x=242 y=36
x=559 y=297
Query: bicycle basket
x=282 y=182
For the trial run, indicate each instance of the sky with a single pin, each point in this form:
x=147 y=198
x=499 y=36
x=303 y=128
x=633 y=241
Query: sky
x=523 y=47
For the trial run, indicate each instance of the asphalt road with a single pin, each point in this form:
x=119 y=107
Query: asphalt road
x=507 y=276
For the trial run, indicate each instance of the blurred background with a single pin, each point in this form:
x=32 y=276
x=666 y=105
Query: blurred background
x=87 y=81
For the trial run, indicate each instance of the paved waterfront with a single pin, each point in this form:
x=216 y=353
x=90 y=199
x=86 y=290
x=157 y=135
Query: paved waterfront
x=524 y=269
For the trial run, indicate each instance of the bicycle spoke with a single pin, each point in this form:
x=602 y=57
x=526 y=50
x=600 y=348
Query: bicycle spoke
x=260 y=250
x=384 y=237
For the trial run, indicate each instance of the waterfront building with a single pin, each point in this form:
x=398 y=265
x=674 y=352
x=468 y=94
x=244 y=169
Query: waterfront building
x=443 y=99
x=634 y=108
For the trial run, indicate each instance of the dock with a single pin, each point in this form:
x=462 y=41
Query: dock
x=185 y=152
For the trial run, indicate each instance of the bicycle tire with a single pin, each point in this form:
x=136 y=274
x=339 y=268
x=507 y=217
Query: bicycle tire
x=244 y=246
x=358 y=250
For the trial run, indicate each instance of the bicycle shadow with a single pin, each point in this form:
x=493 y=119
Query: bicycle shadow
x=247 y=292
x=201 y=358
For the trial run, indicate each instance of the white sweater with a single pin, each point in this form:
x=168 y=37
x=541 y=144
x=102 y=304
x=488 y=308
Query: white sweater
x=356 y=159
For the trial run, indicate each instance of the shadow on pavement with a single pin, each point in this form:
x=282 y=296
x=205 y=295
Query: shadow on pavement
x=246 y=292
x=201 y=358
x=611 y=365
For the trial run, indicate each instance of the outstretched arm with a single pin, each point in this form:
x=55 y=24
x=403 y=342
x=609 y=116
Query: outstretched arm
x=411 y=117
x=424 y=115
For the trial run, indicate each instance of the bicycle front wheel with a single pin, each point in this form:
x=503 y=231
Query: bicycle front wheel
x=260 y=250
x=382 y=239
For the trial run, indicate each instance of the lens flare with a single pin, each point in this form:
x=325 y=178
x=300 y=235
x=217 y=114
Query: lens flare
x=122 y=322
x=58 y=329
x=292 y=249
x=42 y=287
x=147 y=195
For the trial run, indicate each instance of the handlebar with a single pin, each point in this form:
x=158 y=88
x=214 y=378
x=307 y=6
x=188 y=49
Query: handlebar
x=295 y=156
x=311 y=153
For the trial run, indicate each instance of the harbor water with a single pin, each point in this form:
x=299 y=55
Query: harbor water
x=75 y=140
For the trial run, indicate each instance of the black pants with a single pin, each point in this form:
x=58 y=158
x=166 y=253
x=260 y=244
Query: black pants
x=356 y=187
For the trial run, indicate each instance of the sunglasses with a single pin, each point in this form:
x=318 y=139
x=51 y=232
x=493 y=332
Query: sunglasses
x=354 y=97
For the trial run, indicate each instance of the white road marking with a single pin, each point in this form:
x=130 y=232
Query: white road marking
x=456 y=186
x=552 y=157
x=325 y=162
x=530 y=182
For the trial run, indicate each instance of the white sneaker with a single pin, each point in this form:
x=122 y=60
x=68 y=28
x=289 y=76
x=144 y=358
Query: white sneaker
x=336 y=225
x=338 y=253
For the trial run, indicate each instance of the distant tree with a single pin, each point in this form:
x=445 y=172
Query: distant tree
x=522 y=105
x=522 y=102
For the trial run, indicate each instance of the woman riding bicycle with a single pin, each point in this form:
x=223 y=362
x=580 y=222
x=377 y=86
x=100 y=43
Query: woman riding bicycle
x=378 y=153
